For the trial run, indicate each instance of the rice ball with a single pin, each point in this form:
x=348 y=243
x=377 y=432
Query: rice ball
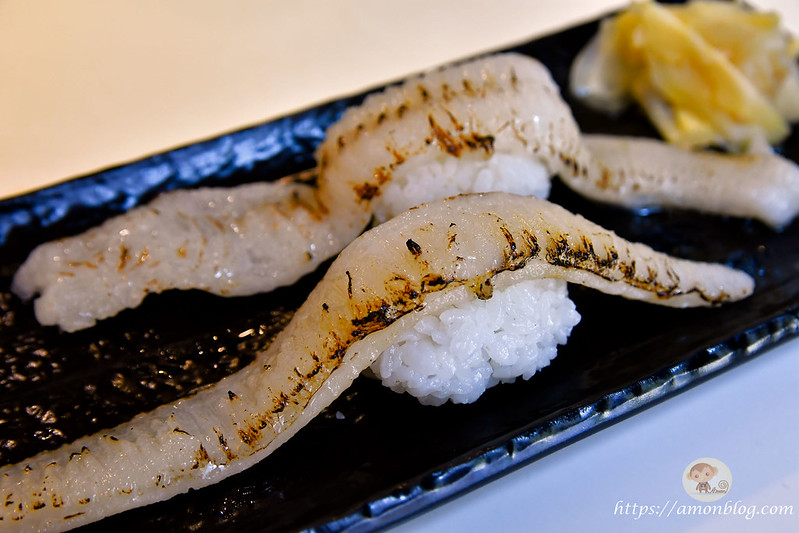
x=432 y=176
x=458 y=354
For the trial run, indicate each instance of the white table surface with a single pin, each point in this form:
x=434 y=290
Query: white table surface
x=88 y=84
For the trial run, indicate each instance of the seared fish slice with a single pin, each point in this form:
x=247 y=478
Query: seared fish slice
x=421 y=262
x=230 y=242
x=254 y=239
x=646 y=172
x=484 y=117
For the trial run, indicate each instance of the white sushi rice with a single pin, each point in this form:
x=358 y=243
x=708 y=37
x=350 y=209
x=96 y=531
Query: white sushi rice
x=458 y=354
x=434 y=175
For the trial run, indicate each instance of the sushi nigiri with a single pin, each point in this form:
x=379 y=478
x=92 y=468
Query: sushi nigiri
x=420 y=264
x=493 y=124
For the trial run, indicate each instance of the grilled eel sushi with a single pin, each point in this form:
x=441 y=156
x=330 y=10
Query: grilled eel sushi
x=418 y=264
x=494 y=124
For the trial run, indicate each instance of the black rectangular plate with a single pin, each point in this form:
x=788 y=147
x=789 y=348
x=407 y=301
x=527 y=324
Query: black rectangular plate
x=374 y=457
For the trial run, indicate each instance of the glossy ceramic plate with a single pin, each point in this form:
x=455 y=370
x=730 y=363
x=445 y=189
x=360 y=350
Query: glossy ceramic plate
x=373 y=457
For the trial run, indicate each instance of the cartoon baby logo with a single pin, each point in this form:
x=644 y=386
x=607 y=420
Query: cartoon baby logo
x=706 y=479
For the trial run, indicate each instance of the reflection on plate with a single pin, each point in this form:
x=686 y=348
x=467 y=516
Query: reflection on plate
x=373 y=457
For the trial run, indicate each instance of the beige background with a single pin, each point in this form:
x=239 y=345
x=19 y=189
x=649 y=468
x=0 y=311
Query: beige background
x=85 y=84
